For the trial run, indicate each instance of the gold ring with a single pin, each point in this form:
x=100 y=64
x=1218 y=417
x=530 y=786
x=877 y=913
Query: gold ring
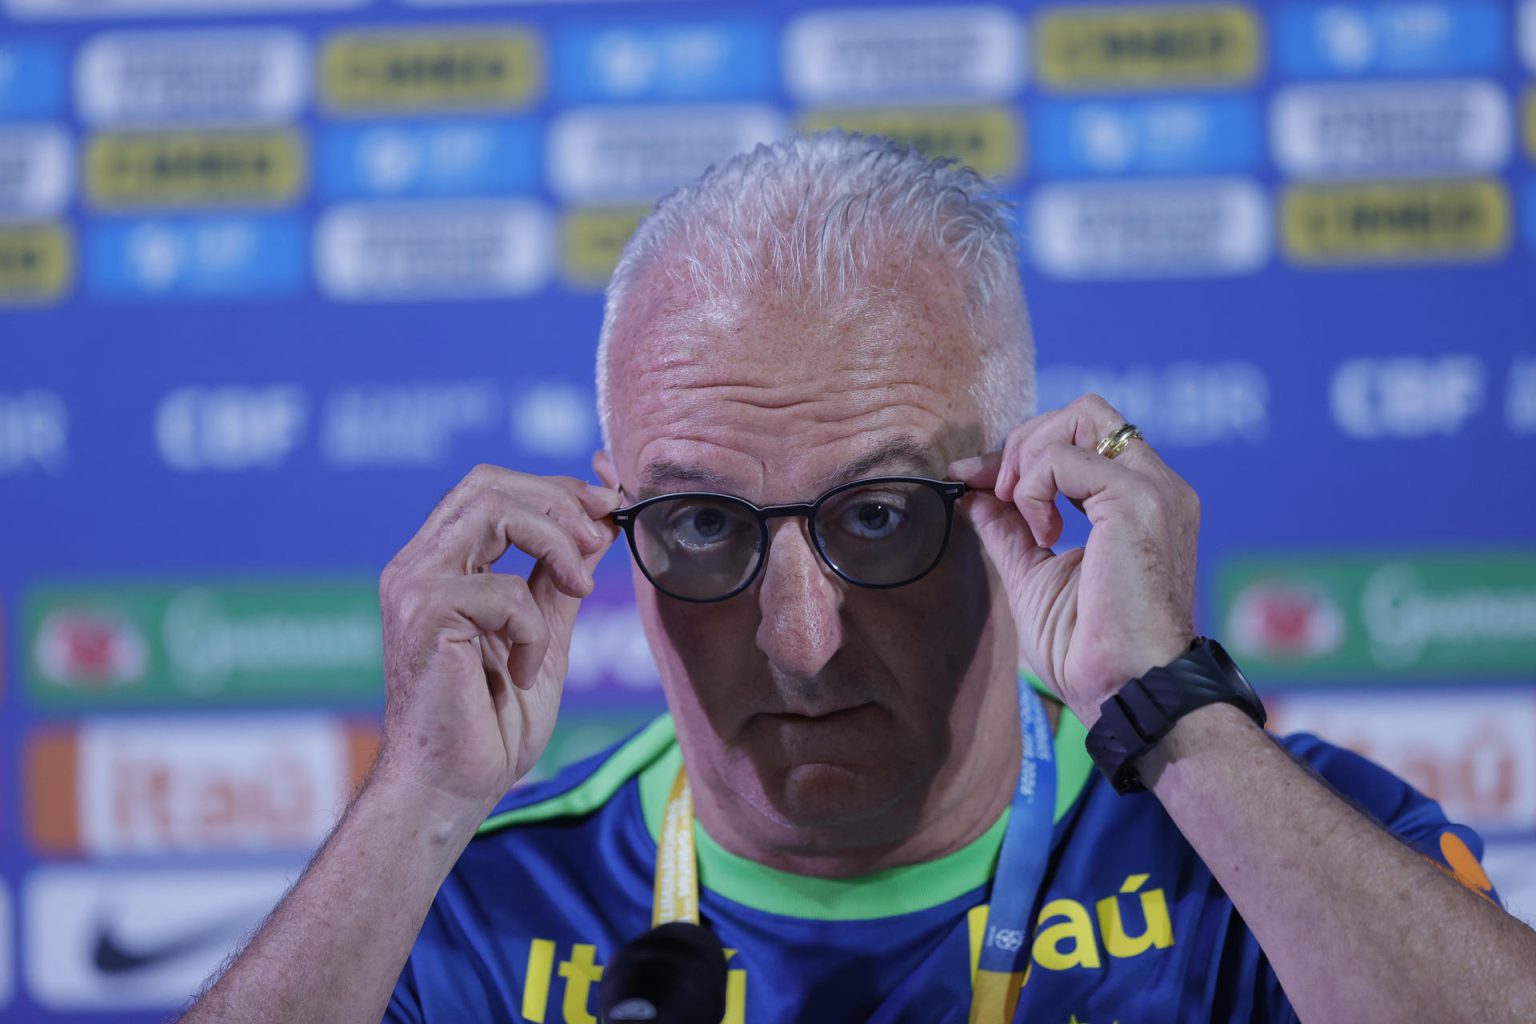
x=1117 y=440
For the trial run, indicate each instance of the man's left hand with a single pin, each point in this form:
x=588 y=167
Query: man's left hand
x=1091 y=618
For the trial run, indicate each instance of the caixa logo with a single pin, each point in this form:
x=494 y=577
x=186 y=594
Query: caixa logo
x=232 y=428
x=1005 y=938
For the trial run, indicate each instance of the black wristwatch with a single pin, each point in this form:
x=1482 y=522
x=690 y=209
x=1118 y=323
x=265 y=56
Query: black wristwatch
x=1145 y=709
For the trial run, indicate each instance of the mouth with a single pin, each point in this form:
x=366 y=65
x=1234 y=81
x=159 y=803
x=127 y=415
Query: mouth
x=828 y=715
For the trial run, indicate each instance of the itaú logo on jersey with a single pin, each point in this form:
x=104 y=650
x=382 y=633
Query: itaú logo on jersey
x=582 y=972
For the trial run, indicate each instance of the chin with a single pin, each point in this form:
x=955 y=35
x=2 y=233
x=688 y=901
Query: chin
x=822 y=796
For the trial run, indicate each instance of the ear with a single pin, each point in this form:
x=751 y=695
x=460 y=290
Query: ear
x=602 y=465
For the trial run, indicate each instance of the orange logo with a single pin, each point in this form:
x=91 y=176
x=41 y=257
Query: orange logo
x=1464 y=867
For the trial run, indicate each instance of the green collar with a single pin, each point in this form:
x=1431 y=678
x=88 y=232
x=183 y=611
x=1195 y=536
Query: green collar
x=902 y=890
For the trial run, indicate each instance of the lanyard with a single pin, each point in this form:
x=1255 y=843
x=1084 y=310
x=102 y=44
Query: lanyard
x=1003 y=966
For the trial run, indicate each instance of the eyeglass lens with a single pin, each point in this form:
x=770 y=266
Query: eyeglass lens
x=880 y=534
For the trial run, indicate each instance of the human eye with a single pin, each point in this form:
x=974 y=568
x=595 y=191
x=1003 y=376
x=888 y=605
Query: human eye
x=700 y=526
x=870 y=516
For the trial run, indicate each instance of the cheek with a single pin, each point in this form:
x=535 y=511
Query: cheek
x=705 y=652
x=935 y=627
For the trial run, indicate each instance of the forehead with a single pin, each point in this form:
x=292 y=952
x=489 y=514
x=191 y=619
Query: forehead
x=768 y=396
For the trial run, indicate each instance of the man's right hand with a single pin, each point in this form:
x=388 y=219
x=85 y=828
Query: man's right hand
x=475 y=661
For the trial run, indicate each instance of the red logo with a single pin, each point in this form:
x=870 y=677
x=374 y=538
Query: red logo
x=90 y=647
x=1274 y=619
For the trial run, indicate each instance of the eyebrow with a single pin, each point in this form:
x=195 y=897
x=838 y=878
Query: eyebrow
x=660 y=472
x=905 y=452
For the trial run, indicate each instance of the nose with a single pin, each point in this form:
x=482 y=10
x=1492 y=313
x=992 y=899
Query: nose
x=801 y=604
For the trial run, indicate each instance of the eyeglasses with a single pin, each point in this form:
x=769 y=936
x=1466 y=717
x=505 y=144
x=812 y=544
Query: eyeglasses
x=886 y=531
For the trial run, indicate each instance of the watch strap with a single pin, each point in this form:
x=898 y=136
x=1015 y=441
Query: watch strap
x=1135 y=719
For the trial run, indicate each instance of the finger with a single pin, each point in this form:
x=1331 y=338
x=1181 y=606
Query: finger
x=517 y=649
x=1004 y=534
x=979 y=471
x=1080 y=474
x=598 y=501
x=1087 y=422
x=496 y=609
x=494 y=510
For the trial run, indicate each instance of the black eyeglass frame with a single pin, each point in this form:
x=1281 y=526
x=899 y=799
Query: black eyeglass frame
x=949 y=491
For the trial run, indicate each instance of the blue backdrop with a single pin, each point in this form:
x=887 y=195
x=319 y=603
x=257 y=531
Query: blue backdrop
x=273 y=276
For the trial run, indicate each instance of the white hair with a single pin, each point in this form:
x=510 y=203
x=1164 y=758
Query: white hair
x=812 y=217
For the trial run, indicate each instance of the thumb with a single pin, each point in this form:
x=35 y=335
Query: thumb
x=1005 y=535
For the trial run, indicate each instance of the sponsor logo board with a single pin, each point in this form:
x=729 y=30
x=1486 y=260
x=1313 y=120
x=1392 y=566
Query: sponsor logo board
x=414 y=424
x=173 y=169
x=484 y=67
x=556 y=421
x=631 y=154
x=1154 y=46
x=1187 y=404
x=36 y=171
x=225 y=256
x=1527 y=41
x=886 y=55
x=433 y=250
x=104 y=9
x=238 y=75
x=1395 y=222
x=591 y=241
x=693 y=60
x=1386 y=38
x=37 y=262
x=32 y=80
x=230 y=429
x=291 y=640
x=1419 y=128
x=1406 y=396
x=34 y=432
x=1455 y=615
x=113 y=940
x=989 y=139
x=1152 y=229
x=1473 y=752
x=1520 y=397
x=191 y=784
x=425 y=159
x=1174 y=135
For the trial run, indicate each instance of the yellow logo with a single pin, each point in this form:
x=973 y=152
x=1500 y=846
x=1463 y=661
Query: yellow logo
x=489 y=68
x=1464 y=865
x=194 y=169
x=990 y=139
x=592 y=240
x=1394 y=222
x=1195 y=44
x=36 y=262
x=581 y=973
x=1065 y=936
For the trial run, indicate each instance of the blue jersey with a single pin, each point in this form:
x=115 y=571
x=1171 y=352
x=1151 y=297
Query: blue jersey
x=1131 y=924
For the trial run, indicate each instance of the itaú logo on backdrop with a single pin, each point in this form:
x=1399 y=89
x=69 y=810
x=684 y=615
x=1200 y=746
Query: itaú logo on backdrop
x=186 y=785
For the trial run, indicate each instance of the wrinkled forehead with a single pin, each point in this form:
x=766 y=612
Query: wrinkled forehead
x=775 y=391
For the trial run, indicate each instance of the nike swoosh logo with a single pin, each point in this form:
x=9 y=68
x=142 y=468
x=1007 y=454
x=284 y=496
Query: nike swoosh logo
x=112 y=957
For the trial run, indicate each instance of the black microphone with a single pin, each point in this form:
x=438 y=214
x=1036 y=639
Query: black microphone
x=673 y=974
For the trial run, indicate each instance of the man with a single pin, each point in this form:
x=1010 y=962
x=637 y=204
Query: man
x=841 y=678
